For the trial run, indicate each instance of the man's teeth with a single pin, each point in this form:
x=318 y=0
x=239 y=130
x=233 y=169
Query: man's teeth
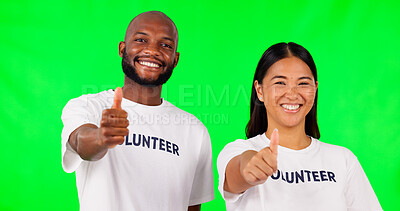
x=149 y=64
x=290 y=107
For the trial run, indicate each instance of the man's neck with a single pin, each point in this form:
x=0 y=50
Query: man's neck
x=141 y=94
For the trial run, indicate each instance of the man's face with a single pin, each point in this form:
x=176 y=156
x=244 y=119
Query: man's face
x=149 y=52
x=131 y=72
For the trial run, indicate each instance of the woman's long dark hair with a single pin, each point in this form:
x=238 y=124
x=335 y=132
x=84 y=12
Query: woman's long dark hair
x=258 y=122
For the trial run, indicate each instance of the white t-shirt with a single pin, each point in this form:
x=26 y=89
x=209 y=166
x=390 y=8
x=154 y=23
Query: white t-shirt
x=319 y=177
x=164 y=164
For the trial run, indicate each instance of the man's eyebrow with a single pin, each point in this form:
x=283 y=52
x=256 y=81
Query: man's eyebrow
x=165 y=38
x=141 y=33
x=168 y=38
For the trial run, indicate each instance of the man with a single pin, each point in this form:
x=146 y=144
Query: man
x=129 y=148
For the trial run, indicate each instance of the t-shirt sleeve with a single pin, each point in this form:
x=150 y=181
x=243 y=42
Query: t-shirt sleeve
x=359 y=193
x=77 y=112
x=203 y=185
x=230 y=151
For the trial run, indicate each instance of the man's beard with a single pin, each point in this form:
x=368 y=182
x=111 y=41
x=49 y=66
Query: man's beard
x=130 y=72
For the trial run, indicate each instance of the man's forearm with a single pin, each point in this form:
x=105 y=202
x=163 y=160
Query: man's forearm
x=194 y=207
x=85 y=141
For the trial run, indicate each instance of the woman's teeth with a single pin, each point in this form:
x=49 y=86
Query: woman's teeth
x=290 y=107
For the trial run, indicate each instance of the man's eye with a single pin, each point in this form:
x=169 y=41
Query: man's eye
x=280 y=83
x=166 y=45
x=139 y=40
x=304 y=83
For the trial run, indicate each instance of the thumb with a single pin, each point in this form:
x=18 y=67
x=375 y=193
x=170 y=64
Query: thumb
x=274 y=141
x=117 y=98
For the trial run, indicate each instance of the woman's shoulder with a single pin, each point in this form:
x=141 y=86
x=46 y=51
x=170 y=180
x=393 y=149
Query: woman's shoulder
x=253 y=142
x=334 y=149
x=240 y=145
x=237 y=147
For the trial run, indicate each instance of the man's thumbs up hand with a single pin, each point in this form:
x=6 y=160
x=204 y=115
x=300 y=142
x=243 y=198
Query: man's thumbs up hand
x=114 y=123
x=117 y=98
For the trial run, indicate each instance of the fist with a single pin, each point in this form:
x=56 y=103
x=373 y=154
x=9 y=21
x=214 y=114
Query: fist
x=114 y=123
x=256 y=167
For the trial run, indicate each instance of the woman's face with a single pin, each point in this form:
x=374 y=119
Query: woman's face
x=288 y=91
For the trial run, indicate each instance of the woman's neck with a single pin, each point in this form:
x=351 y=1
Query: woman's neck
x=293 y=138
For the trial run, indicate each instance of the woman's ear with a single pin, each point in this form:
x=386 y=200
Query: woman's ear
x=258 y=88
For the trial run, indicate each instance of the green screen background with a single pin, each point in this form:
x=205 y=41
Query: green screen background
x=57 y=50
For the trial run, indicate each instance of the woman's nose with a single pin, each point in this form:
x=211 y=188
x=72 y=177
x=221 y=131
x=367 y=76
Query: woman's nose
x=291 y=92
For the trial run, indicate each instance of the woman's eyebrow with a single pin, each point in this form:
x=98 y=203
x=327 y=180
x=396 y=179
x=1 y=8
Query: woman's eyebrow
x=305 y=77
x=284 y=77
x=278 y=76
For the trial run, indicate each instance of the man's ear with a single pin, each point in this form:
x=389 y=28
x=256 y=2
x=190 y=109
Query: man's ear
x=121 y=48
x=258 y=89
x=176 y=58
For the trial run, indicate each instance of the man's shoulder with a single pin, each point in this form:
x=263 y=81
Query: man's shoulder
x=90 y=102
x=101 y=97
x=182 y=115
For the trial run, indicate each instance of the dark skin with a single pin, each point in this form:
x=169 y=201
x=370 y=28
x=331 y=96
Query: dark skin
x=152 y=38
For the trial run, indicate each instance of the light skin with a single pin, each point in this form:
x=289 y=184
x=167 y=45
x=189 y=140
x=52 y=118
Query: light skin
x=287 y=91
x=152 y=39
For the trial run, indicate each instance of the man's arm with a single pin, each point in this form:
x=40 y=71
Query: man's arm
x=194 y=207
x=85 y=141
x=91 y=142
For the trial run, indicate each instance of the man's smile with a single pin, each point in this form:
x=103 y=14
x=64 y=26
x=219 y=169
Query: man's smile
x=149 y=63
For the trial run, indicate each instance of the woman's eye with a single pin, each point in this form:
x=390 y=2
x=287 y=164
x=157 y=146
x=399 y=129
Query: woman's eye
x=280 y=83
x=304 y=83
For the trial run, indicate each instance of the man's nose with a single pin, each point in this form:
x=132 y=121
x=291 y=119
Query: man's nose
x=152 y=49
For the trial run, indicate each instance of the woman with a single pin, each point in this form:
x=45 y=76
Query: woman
x=283 y=165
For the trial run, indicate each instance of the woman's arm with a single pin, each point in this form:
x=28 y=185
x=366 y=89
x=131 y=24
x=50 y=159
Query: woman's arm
x=251 y=167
